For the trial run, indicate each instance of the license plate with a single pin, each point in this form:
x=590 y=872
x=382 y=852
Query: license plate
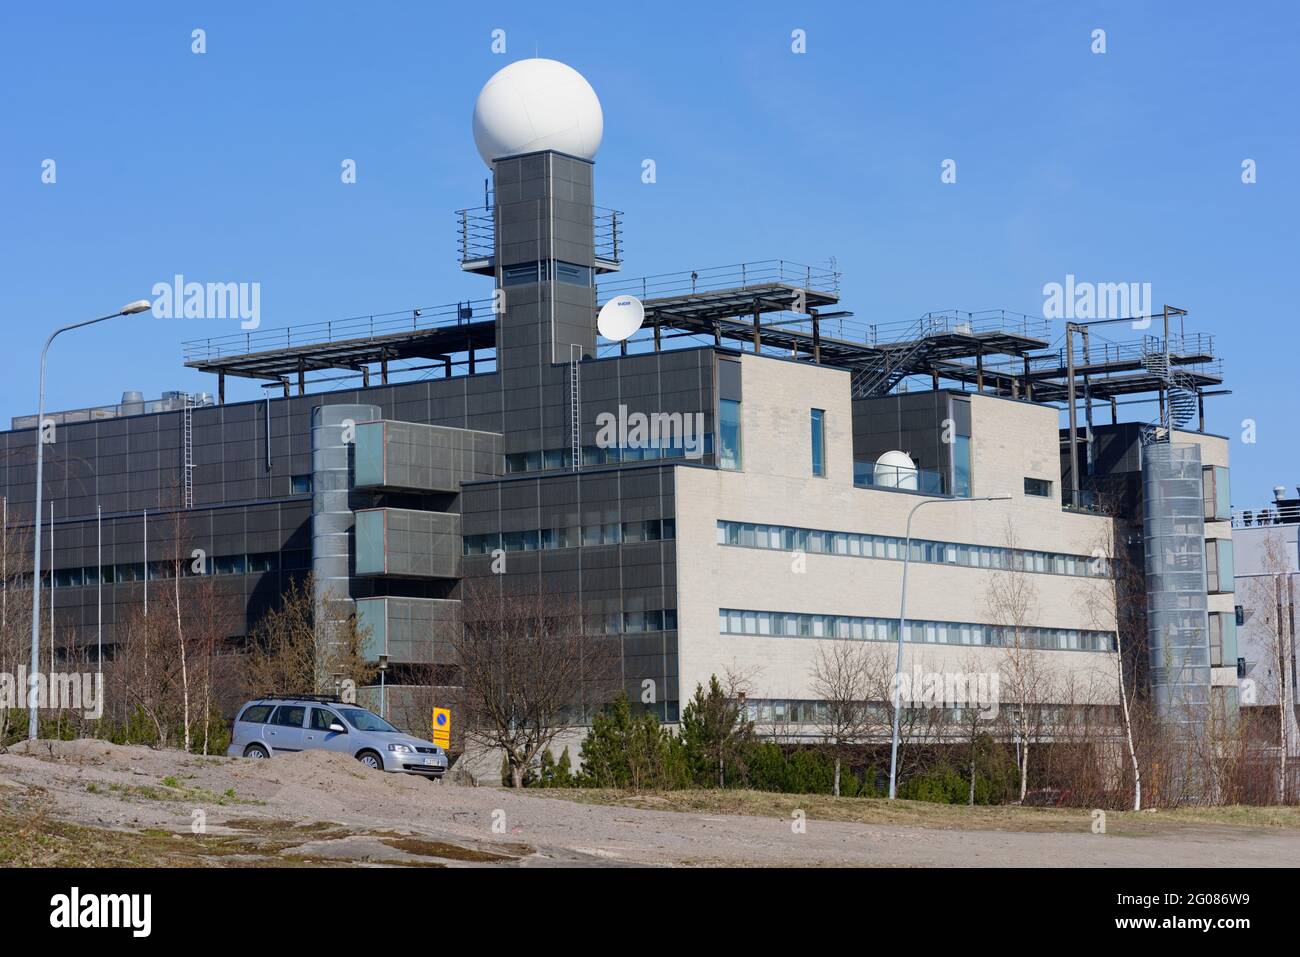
x=430 y=761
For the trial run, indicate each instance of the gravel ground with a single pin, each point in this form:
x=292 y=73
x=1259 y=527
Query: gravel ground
x=344 y=813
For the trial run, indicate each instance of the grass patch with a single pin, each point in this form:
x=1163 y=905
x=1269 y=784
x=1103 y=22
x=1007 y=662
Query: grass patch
x=175 y=791
x=450 y=852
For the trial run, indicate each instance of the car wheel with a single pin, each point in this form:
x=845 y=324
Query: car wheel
x=371 y=760
x=255 y=751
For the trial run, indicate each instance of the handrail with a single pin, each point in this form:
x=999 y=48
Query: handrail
x=821 y=278
x=337 y=330
x=476 y=233
x=1265 y=516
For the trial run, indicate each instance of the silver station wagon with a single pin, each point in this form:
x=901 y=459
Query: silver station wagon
x=273 y=726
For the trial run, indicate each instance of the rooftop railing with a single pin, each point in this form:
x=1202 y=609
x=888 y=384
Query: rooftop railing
x=960 y=322
x=337 y=330
x=823 y=277
x=1106 y=352
x=476 y=234
x=1265 y=516
x=898 y=478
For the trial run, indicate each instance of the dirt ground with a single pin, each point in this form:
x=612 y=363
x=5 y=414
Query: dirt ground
x=88 y=803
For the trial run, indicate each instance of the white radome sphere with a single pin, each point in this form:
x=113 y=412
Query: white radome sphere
x=896 y=470
x=534 y=105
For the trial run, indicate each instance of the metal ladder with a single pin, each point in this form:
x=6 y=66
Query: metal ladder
x=187 y=437
x=575 y=405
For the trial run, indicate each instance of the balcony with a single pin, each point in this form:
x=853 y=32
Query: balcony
x=408 y=630
x=404 y=543
x=476 y=239
x=896 y=478
x=409 y=456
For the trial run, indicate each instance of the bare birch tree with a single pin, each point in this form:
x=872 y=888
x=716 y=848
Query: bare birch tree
x=291 y=652
x=1105 y=599
x=841 y=678
x=1012 y=603
x=527 y=671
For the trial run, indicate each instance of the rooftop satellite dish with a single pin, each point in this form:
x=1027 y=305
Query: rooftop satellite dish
x=620 y=318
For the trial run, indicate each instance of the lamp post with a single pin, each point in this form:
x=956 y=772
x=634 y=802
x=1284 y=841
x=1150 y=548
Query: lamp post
x=33 y=679
x=902 y=625
x=383 y=670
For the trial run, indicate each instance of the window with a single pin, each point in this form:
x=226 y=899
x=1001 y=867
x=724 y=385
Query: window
x=729 y=453
x=256 y=713
x=366 y=720
x=572 y=274
x=229 y=564
x=262 y=562
x=961 y=466
x=1223 y=639
x=322 y=719
x=819 y=442
x=289 y=716
x=300 y=485
x=1214 y=488
x=1040 y=487
x=1218 y=565
x=520 y=274
x=733 y=621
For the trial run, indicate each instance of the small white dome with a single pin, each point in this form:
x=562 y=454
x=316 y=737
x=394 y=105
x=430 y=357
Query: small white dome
x=896 y=470
x=537 y=104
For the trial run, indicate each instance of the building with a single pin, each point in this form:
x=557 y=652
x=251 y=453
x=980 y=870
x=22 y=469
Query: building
x=727 y=490
x=1267 y=567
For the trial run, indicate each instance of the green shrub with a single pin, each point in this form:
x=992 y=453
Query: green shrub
x=768 y=768
x=941 y=784
x=811 y=772
x=623 y=750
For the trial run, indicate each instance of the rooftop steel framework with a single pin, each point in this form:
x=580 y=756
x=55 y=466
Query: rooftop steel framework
x=780 y=307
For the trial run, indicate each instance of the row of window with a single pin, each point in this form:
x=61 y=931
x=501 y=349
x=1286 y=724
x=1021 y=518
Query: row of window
x=732 y=621
x=631 y=622
x=822 y=542
x=544 y=270
x=572 y=536
x=795 y=711
x=562 y=459
x=255 y=563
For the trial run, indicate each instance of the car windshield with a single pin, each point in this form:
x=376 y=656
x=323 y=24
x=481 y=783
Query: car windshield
x=366 y=720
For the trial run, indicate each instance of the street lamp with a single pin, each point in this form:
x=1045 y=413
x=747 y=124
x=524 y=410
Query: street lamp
x=383 y=670
x=33 y=679
x=902 y=624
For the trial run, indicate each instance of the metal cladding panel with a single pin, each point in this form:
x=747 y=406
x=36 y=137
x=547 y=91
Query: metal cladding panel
x=417 y=457
x=409 y=630
x=332 y=432
x=1177 y=604
x=414 y=544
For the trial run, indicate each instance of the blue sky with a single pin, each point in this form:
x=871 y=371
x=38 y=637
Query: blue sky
x=1124 y=166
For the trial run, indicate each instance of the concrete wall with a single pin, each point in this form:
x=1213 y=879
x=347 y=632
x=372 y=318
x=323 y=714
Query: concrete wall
x=776 y=486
